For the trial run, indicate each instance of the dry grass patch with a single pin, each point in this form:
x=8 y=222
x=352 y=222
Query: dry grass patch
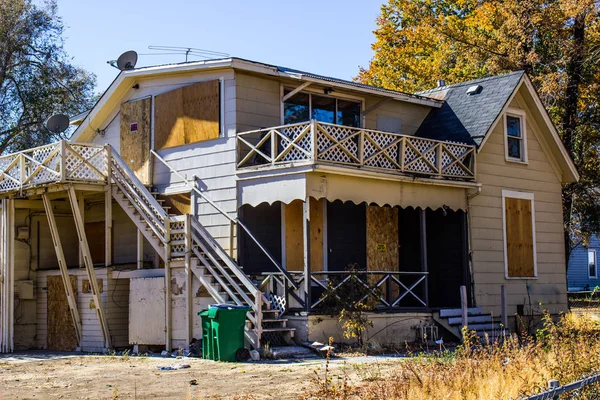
x=566 y=350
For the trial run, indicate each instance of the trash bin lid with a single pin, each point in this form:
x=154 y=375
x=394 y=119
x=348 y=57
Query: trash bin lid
x=229 y=307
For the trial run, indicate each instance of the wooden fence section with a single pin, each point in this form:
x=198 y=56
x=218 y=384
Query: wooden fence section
x=343 y=145
x=58 y=162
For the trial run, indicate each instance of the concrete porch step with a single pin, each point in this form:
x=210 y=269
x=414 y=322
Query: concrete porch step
x=472 y=319
x=457 y=312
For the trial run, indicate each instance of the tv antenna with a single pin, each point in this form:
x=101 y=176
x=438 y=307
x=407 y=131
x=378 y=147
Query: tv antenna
x=58 y=123
x=187 y=51
x=125 y=61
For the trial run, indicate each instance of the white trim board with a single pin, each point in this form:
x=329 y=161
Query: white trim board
x=518 y=195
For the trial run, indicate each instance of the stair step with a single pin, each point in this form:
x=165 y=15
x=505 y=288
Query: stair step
x=472 y=319
x=457 y=312
x=485 y=327
x=279 y=329
x=275 y=320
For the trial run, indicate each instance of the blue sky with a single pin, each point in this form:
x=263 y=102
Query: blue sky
x=329 y=37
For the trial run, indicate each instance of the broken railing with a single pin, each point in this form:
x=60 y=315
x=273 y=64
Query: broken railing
x=377 y=290
x=365 y=148
x=58 y=162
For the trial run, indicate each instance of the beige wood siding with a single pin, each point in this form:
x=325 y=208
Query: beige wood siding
x=537 y=177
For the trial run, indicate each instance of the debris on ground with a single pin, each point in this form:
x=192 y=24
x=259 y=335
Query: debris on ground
x=193 y=382
x=173 y=367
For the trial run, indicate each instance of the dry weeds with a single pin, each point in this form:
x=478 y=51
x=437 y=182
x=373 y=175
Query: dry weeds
x=566 y=350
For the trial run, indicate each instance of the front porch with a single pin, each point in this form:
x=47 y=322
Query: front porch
x=346 y=255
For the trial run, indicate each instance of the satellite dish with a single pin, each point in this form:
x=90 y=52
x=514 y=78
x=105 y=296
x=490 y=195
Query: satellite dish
x=57 y=123
x=127 y=60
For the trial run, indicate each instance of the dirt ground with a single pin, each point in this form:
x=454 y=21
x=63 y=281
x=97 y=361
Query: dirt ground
x=52 y=376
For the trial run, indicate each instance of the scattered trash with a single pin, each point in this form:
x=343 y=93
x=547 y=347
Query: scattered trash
x=164 y=353
x=254 y=355
x=173 y=367
x=193 y=382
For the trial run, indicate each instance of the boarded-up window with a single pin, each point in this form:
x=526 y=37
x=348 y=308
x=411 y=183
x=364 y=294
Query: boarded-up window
x=135 y=137
x=187 y=115
x=519 y=238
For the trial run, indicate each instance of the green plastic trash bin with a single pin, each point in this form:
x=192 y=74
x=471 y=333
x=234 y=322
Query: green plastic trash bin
x=207 y=336
x=223 y=331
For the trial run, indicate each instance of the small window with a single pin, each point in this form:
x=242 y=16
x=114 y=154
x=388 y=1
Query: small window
x=592 y=272
x=519 y=235
x=515 y=138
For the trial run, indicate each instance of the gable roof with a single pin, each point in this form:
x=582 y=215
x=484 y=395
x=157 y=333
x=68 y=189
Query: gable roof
x=471 y=118
x=468 y=118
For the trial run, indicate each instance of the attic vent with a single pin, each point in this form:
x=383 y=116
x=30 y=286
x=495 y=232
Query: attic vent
x=476 y=89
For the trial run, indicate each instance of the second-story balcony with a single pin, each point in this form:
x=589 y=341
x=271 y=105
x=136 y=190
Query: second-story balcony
x=317 y=142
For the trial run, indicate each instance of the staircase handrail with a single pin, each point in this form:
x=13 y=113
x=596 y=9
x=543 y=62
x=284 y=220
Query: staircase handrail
x=230 y=218
x=141 y=191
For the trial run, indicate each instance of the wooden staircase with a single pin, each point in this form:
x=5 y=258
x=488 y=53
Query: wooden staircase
x=179 y=236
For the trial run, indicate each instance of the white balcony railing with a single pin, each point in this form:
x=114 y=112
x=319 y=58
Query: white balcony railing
x=336 y=144
x=58 y=162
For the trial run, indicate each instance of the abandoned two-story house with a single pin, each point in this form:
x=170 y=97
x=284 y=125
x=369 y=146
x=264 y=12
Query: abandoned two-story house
x=233 y=181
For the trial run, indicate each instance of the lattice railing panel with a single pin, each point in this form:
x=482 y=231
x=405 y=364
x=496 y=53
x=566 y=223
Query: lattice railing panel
x=338 y=143
x=44 y=165
x=346 y=145
x=292 y=135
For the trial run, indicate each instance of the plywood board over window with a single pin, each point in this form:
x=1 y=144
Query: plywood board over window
x=519 y=235
x=382 y=238
x=61 y=331
x=294 y=239
x=135 y=137
x=187 y=115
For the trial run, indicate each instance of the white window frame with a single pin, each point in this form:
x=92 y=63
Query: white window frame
x=595 y=264
x=521 y=114
x=311 y=90
x=518 y=195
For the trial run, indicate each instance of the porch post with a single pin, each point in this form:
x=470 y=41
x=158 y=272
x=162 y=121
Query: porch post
x=423 y=232
x=108 y=211
x=140 y=249
x=306 y=241
x=7 y=274
x=108 y=226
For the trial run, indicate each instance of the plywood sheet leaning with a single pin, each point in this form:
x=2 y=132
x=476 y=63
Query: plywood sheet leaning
x=382 y=241
x=135 y=137
x=316 y=234
x=519 y=237
x=187 y=115
x=146 y=311
x=294 y=243
x=61 y=332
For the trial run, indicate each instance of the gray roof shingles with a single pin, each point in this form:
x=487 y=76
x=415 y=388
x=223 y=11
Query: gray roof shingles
x=465 y=118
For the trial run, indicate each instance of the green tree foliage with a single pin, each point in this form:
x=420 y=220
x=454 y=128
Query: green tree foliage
x=557 y=42
x=37 y=78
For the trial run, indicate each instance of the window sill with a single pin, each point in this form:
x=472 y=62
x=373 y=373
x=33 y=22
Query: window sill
x=516 y=161
x=520 y=278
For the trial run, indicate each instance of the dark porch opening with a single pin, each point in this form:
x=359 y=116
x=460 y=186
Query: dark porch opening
x=409 y=258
